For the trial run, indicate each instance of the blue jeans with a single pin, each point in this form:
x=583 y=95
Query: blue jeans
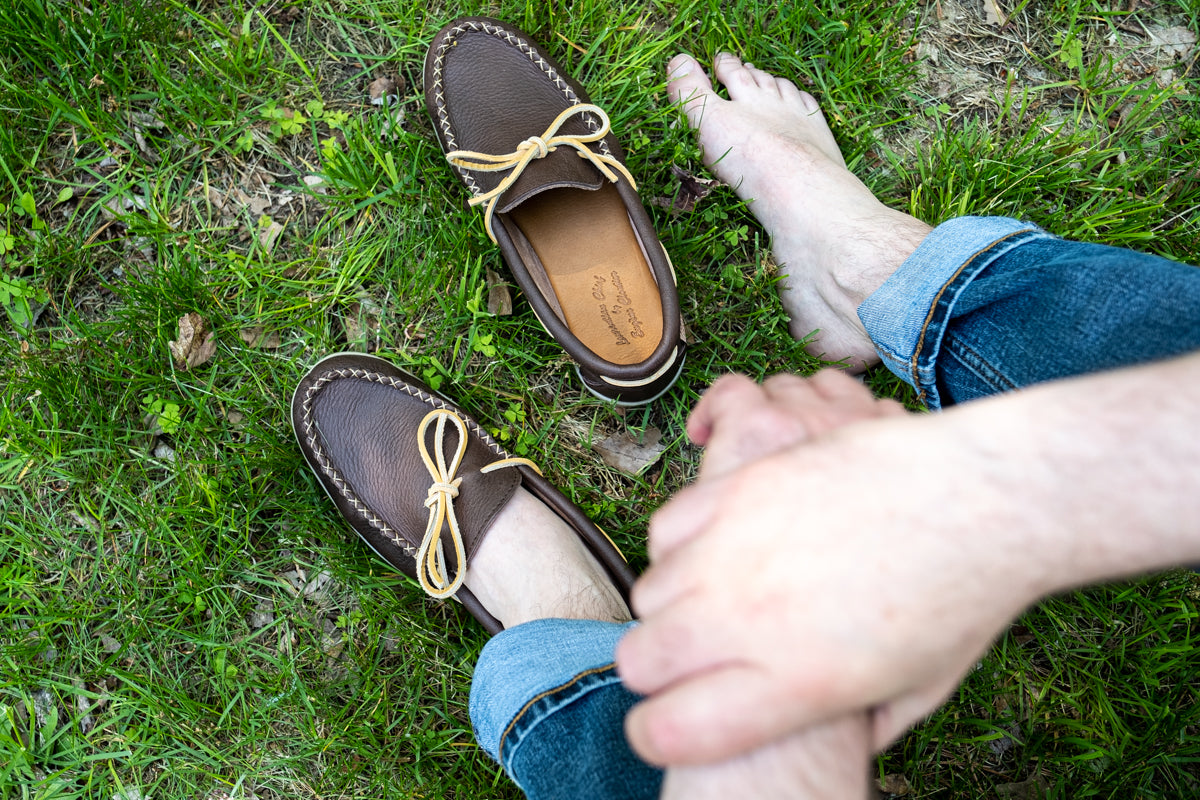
x=984 y=305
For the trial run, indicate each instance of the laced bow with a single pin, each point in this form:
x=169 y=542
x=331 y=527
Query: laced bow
x=432 y=571
x=539 y=147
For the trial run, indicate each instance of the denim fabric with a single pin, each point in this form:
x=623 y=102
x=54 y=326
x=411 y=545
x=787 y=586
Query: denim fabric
x=988 y=304
x=984 y=305
x=547 y=704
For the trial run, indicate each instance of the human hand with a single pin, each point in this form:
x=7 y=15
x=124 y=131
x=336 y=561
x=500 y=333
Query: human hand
x=868 y=568
x=741 y=421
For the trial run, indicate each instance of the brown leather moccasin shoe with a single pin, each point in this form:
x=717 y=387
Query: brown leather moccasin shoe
x=419 y=480
x=538 y=156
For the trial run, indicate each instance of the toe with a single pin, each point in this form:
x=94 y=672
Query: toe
x=807 y=100
x=789 y=91
x=688 y=85
x=734 y=75
x=765 y=80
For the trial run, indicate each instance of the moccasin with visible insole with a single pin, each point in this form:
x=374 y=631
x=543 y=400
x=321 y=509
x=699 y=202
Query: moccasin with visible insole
x=539 y=159
x=417 y=479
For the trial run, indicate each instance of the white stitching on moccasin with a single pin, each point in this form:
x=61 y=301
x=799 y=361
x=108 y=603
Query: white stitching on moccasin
x=439 y=96
x=331 y=471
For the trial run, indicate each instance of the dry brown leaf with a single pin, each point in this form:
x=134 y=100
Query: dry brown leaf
x=285 y=14
x=383 y=91
x=361 y=322
x=499 y=300
x=993 y=14
x=393 y=126
x=164 y=452
x=1178 y=42
x=316 y=183
x=1033 y=789
x=258 y=337
x=267 y=235
x=84 y=706
x=141 y=121
x=195 y=344
x=238 y=195
x=262 y=615
x=896 y=785
x=317 y=587
x=147 y=120
x=690 y=191
x=122 y=205
x=687 y=334
x=258 y=205
x=216 y=198
x=629 y=455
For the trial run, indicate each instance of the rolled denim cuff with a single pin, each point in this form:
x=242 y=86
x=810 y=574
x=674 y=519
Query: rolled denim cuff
x=907 y=316
x=551 y=659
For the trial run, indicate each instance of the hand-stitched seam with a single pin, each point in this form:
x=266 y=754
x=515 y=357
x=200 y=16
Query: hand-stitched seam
x=334 y=475
x=439 y=95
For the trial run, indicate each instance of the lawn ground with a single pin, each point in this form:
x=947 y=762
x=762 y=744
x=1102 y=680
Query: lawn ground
x=181 y=613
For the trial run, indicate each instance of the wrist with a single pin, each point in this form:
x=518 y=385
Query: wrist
x=1101 y=470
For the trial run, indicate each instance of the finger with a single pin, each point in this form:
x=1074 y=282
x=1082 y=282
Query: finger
x=716 y=716
x=887 y=407
x=853 y=395
x=890 y=720
x=791 y=391
x=728 y=394
x=671 y=645
x=836 y=386
x=688 y=85
x=680 y=520
x=734 y=76
x=829 y=399
x=811 y=411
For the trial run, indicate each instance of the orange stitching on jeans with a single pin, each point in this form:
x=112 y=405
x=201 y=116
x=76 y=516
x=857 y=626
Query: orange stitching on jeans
x=524 y=708
x=929 y=317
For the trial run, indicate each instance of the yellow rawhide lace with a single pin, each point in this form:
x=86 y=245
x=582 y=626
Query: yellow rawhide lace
x=539 y=147
x=431 y=558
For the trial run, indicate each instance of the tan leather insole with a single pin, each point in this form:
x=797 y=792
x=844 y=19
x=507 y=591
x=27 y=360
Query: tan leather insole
x=595 y=265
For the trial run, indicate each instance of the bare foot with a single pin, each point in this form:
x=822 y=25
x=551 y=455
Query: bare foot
x=825 y=762
x=739 y=421
x=833 y=240
x=531 y=565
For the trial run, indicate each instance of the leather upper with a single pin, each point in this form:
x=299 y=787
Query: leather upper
x=488 y=89
x=356 y=418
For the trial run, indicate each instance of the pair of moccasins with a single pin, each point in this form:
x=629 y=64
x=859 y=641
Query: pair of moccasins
x=419 y=480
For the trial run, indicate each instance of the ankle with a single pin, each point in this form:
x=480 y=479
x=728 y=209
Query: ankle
x=884 y=243
x=531 y=565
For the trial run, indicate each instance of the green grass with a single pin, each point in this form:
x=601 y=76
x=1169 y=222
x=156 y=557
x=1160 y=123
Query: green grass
x=156 y=523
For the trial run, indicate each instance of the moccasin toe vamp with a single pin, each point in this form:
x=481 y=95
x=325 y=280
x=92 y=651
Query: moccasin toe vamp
x=366 y=429
x=558 y=200
x=419 y=480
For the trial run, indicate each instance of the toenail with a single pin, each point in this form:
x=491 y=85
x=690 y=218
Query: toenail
x=680 y=66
